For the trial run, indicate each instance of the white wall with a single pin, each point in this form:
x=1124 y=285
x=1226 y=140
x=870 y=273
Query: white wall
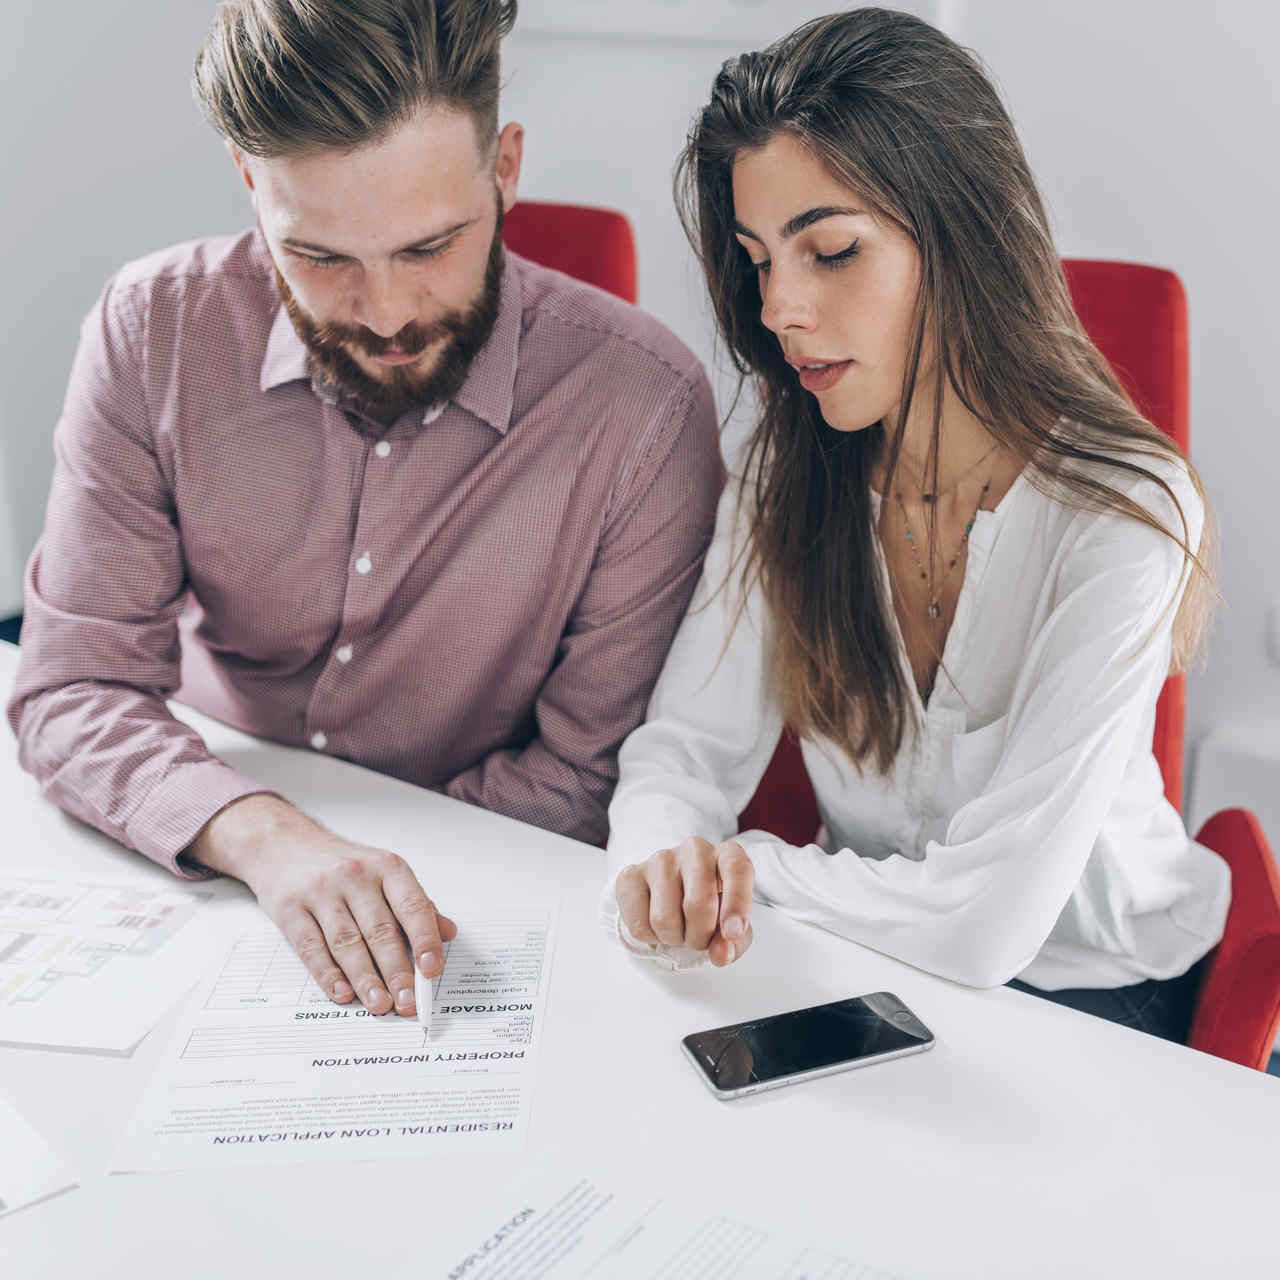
x=105 y=158
x=1152 y=127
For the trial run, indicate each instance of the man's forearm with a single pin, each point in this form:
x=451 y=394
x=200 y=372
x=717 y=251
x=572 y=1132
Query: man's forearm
x=114 y=757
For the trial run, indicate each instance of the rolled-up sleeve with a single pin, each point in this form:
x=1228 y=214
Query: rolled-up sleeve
x=104 y=588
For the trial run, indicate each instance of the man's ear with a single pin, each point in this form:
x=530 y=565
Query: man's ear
x=241 y=162
x=507 y=165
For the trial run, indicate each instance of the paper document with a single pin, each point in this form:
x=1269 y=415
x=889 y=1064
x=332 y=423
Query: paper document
x=265 y=1069
x=93 y=963
x=566 y=1222
x=29 y=1170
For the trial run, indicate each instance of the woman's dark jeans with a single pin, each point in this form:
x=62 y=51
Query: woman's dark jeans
x=1161 y=1009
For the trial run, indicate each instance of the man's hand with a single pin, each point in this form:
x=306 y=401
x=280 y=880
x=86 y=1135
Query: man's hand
x=698 y=895
x=356 y=916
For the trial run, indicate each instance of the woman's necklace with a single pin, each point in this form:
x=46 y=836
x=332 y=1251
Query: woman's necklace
x=934 y=609
x=929 y=496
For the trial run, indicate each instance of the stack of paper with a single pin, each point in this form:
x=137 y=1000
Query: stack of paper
x=92 y=963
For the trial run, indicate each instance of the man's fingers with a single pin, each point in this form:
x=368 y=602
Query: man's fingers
x=308 y=941
x=347 y=946
x=701 y=901
x=737 y=882
x=386 y=941
x=418 y=918
x=631 y=890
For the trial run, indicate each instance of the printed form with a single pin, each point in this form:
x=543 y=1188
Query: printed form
x=264 y=1068
x=29 y=1170
x=568 y=1222
x=89 y=963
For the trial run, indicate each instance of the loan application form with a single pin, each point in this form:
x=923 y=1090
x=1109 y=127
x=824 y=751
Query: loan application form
x=264 y=1068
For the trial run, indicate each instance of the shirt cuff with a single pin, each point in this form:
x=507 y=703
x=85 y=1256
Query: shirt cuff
x=175 y=812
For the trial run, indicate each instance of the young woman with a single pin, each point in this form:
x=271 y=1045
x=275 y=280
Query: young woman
x=957 y=562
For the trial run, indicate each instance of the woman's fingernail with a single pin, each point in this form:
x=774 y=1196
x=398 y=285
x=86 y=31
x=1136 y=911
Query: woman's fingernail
x=342 y=991
x=376 y=996
x=404 y=998
x=733 y=954
x=732 y=927
x=428 y=963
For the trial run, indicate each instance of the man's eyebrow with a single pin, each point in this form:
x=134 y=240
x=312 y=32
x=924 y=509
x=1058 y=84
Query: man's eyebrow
x=803 y=220
x=422 y=243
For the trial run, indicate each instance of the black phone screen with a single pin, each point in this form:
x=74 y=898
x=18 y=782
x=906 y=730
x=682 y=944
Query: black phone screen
x=786 y=1044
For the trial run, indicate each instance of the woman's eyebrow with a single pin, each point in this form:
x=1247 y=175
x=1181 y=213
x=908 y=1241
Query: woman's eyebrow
x=803 y=220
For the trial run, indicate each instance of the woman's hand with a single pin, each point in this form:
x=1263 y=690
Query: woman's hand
x=697 y=895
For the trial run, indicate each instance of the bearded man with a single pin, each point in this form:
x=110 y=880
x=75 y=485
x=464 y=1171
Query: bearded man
x=356 y=480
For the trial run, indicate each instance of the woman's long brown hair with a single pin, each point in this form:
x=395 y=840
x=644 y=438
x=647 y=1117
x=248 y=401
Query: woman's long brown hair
x=906 y=118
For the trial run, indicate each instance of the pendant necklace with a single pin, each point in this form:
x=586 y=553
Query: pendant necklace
x=934 y=608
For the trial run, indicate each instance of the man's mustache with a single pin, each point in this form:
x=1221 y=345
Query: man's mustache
x=413 y=339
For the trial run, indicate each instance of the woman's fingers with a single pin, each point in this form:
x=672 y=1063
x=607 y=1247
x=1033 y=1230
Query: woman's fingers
x=722 y=952
x=734 y=934
x=631 y=890
x=666 y=897
x=701 y=901
x=698 y=896
x=738 y=882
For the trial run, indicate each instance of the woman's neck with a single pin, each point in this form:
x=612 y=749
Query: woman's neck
x=963 y=442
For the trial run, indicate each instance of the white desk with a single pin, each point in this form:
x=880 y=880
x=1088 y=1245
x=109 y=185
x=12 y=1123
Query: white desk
x=1032 y=1141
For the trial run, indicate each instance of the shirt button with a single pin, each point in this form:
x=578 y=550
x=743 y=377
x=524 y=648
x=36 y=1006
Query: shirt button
x=319 y=741
x=364 y=564
x=344 y=653
x=382 y=449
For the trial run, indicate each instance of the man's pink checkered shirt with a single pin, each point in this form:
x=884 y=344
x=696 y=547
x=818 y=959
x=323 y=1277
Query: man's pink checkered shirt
x=476 y=600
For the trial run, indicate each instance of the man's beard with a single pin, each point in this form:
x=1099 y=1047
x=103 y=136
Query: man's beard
x=386 y=397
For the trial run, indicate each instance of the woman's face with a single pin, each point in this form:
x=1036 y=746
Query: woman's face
x=838 y=286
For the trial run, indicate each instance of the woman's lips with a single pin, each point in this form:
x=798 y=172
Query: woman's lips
x=824 y=378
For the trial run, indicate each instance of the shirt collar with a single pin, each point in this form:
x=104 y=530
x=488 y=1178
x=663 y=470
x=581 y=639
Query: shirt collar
x=489 y=389
x=490 y=386
x=286 y=358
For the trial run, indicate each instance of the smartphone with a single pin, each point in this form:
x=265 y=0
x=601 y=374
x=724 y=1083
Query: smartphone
x=806 y=1043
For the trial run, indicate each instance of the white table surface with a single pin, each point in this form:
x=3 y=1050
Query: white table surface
x=1031 y=1141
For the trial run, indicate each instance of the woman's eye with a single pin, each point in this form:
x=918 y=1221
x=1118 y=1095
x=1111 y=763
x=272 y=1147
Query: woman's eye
x=331 y=261
x=762 y=266
x=835 y=259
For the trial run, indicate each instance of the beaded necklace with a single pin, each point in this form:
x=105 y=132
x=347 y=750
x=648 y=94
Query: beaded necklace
x=934 y=608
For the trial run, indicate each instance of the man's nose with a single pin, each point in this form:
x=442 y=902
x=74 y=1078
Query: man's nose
x=381 y=306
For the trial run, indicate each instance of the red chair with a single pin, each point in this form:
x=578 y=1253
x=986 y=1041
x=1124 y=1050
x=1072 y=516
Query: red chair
x=1137 y=316
x=595 y=245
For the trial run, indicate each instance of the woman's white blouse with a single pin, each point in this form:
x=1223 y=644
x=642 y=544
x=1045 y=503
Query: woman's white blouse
x=1023 y=830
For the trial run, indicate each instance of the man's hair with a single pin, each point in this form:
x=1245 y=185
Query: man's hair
x=285 y=77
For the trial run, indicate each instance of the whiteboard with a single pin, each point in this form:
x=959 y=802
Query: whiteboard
x=741 y=23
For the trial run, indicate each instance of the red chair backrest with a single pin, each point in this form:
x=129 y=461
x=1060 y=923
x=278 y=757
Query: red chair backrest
x=594 y=245
x=1137 y=316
